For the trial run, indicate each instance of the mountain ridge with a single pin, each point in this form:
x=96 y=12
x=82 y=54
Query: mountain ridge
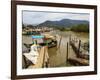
x=63 y=23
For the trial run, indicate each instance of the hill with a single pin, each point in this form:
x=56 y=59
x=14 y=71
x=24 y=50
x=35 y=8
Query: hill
x=63 y=23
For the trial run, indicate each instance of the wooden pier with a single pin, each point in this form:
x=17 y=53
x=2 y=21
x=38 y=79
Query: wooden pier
x=80 y=52
x=42 y=60
x=70 y=50
x=74 y=53
x=78 y=56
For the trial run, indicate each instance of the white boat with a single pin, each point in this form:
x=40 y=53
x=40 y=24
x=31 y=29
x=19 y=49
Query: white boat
x=33 y=54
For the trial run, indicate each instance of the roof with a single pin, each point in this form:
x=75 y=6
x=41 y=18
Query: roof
x=37 y=36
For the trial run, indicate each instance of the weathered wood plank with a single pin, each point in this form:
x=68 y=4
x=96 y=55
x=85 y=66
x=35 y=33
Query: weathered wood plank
x=43 y=55
x=78 y=61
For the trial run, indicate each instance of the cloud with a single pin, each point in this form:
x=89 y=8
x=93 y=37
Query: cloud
x=33 y=17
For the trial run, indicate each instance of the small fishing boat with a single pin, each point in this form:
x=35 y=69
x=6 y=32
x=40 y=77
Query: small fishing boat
x=44 y=40
x=50 y=42
x=41 y=40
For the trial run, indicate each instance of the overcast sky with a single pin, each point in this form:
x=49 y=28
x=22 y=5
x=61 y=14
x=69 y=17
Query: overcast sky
x=33 y=17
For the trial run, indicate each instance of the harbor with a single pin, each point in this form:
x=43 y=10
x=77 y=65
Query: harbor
x=58 y=49
x=55 y=39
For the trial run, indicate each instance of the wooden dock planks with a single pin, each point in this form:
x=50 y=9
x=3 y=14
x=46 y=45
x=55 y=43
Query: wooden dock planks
x=75 y=57
x=79 y=61
x=43 y=57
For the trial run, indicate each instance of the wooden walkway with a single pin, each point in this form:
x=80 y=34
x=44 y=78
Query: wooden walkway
x=70 y=56
x=75 y=57
x=42 y=59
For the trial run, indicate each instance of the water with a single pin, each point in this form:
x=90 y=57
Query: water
x=57 y=56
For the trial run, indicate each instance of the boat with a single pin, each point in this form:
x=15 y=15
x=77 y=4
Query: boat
x=33 y=54
x=44 y=40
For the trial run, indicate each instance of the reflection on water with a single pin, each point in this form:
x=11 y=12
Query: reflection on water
x=58 y=56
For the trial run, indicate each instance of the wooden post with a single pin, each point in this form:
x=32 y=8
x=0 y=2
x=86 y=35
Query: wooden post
x=74 y=39
x=43 y=65
x=59 y=42
x=46 y=57
x=46 y=64
x=67 y=53
x=69 y=39
x=45 y=61
x=79 y=47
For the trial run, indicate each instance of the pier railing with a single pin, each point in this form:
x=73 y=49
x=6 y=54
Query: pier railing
x=79 y=50
x=75 y=54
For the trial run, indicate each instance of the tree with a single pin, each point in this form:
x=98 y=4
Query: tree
x=80 y=28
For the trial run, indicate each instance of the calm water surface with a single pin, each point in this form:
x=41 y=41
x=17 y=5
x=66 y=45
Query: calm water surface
x=57 y=56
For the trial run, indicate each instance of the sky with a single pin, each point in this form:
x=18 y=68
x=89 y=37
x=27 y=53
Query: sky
x=36 y=17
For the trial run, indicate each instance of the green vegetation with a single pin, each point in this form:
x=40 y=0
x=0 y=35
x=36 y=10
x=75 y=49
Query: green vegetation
x=80 y=28
x=63 y=29
x=75 y=28
x=31 y=33
x=30 y=26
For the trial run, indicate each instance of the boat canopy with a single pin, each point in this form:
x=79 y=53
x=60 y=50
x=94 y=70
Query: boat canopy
x=37 y=36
